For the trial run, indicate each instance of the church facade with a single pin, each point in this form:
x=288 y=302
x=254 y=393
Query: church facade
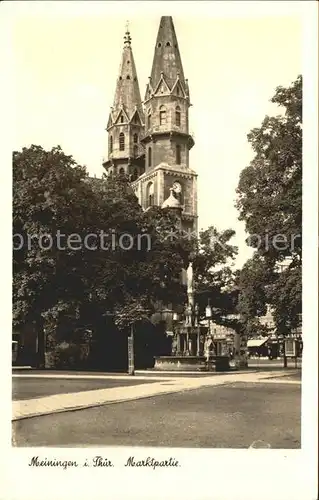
x=149 y=140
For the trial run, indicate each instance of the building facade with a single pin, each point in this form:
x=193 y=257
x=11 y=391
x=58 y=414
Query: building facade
x=150 y=140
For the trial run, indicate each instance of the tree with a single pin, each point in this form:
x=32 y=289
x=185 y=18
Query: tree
x=270 y=203
x=111 y=254
x=216 y=281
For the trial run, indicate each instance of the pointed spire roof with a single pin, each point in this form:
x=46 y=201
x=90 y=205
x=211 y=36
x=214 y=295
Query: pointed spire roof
x=167 y=60
x=127 y=92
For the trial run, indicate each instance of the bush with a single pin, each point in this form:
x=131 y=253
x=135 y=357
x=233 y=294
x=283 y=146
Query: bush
x=69 y=356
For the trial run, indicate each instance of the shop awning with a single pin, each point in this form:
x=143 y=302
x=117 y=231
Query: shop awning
x=256 y=342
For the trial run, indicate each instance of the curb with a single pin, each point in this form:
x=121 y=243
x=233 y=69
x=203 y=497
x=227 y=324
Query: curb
x=105 y=403
x=135 y=398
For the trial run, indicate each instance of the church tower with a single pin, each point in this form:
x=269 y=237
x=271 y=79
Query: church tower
x=167 y=140
x=126 y=121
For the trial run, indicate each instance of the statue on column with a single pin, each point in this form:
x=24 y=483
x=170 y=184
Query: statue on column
x=196 y=315
x=188 y=315
x=190 y=283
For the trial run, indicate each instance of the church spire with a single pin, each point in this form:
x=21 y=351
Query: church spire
x=167 y=61
x=127 y=93
x=126 y=120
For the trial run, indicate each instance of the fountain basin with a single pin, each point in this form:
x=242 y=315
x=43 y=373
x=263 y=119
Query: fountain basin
x=191 y=363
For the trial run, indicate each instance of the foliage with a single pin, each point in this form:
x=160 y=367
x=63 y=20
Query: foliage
x=67 y=286
x=270 y=203
x=216 y=281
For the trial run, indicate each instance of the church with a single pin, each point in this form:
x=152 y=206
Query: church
x=149 y=140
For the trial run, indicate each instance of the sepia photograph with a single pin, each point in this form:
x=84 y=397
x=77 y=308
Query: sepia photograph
x=158 y=191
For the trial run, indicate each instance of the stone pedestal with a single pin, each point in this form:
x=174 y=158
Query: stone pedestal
x=192 y=363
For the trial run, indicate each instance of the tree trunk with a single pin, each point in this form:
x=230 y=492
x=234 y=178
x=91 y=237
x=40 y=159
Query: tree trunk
x=285 y=357
x=130 y=347
x=41 y=344
x=240 y=344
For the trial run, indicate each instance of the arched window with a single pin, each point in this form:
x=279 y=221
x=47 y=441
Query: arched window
x=135 y=151
x=135 y=138
x=162 y=115
x=150 y=194
x=122 y=141
x=149 y=119
x=110 y=144
x=122 y=119
x=178 y=116
x=149 y=157
x=121 y=171
x=178 y=154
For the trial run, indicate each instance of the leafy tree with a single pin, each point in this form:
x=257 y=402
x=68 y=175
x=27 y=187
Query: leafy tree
x=65 y=283
x=216 y=281
x=270 y=203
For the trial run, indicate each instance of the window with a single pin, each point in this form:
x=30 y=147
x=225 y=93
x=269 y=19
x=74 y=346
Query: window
x=177 y=90
x=159 y=44
x=128 y=77
x=178 y=154
x=149 y=119
x=122 y=172
x=168 y=44
x=149 y=157
x=122 y=141
x=150 y=194
x=111 y=144
x=135 y=151
x=135 y=137
x=178 y=116
x=162 y=115
x=122 y=118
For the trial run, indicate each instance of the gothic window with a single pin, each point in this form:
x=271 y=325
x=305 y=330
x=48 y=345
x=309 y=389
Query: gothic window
x=128 y=77
x=121 y=172
x=150 y=194
x=135 y=151
x=122 y=118
x=178 y=116
x=111 y=144
x=177 y=90
x=168 y=44
x=149 y=157
x=162 y=115
x=178 y=154
x=122 y=141
x=135 y=137
x=149 y=119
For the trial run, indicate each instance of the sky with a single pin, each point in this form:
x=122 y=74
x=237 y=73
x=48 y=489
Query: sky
x=66 y=58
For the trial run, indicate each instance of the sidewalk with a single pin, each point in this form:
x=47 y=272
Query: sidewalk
x=74 y=401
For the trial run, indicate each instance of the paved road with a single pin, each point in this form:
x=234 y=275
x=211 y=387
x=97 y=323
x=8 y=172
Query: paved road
x=36 y=387
x=228 y=416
